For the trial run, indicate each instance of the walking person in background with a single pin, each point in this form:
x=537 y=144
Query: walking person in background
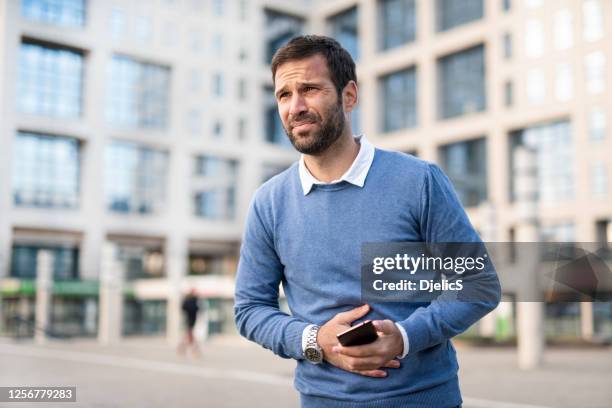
x=190 y=309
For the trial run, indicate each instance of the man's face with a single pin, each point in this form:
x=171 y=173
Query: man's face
x=309 y=106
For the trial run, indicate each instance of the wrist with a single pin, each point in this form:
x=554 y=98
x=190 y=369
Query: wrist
x=404 y=341
x=326 y=339
x=312 y=350
x=305 y=337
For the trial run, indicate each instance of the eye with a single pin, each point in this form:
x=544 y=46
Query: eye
x=283 y=95
x=309 y=88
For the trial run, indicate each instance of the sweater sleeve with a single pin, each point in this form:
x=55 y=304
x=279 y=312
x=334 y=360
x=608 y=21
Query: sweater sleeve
x=442 y=219
x=256 y=308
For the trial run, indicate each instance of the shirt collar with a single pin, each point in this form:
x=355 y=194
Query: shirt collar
x=356 y=174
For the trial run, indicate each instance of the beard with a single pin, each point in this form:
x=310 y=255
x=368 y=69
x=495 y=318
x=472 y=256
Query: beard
x=315 y=142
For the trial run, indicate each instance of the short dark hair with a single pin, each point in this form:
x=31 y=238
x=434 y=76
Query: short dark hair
x=339 y=62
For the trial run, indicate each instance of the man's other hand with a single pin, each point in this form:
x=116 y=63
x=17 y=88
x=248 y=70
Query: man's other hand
x=369 y=359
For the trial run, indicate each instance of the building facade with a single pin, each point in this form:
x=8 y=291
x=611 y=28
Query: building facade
x=134 y=133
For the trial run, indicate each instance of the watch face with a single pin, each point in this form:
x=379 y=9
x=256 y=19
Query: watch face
x=313 y=355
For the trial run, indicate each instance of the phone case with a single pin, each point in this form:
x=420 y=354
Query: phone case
x=363 y=333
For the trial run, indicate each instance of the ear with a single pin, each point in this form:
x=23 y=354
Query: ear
x=350 y=96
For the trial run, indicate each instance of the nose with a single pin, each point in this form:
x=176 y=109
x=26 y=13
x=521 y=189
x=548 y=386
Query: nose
x=297 y=105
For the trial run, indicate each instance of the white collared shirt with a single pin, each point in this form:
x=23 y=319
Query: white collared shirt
x=356 y=175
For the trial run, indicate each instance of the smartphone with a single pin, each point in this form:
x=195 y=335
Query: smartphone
x=363 y=333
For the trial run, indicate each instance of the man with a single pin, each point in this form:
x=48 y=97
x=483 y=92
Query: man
x=190 y=309
x=305 y=229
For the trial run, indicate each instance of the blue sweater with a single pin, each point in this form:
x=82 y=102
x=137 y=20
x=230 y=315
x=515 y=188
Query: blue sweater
x=312 y=245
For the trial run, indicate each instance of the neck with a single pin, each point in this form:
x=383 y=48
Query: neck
x=335 y=161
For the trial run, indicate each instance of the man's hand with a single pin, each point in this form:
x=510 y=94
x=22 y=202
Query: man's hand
x=367 y=359
x=374 y=355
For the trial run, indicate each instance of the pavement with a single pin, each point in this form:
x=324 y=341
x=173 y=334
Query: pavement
x=231 y=372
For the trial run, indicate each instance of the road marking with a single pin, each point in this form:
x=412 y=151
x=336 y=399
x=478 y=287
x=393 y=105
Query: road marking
x=204 y=372
x=142 y=364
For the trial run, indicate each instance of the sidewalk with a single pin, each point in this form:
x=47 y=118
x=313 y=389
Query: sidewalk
x=235 y=373
x=568 y=378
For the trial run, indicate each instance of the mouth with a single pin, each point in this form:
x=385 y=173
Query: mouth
x=302 y=126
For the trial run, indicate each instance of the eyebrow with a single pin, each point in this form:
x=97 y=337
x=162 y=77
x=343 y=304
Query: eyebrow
x=302 y=85
x=277 y=93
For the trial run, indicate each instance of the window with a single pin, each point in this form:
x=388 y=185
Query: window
x=507 y=45
x=46 y=171
x=399 y=100
x=144 y=317
x=217 y=129
x=218 y=7
x=116 y=23
x=597 y=123
x=595 y=67
x=564 y=29
x=534 y=38
x=465 y=163
x=138 y=93
x=74 y=316
x=593 y=23
x=24 y=261
x=552 y=144
x=217 y=84
x=50 y=80
x=508 y=93
x=564 y=82
x=242 y=128
x=280 y=28
x=217 y=44
x=194 y=122
x=461 y=83
x=207 y=264
x=242 y=89
x=135 y=178
x=453 y=13
x=215 y=179
x=506 y=5
x=141 y=260
x=274 y=131
x=599 y=179
x=344 y=28
x=562 y=232
x=243 y=10
x=536 y=86
x=65 y=13
x=397 y=23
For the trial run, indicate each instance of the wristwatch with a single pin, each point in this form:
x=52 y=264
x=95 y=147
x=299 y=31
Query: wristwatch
x=312 y=351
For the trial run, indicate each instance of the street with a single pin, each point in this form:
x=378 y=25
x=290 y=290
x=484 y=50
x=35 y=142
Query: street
x=234 y=373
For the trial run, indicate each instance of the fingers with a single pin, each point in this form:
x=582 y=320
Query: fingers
x=360 y=366
x=365 y=363
x=371 y=373
x=392 y=364
x=385 y=326
x=367 y=350
x=351 y=315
